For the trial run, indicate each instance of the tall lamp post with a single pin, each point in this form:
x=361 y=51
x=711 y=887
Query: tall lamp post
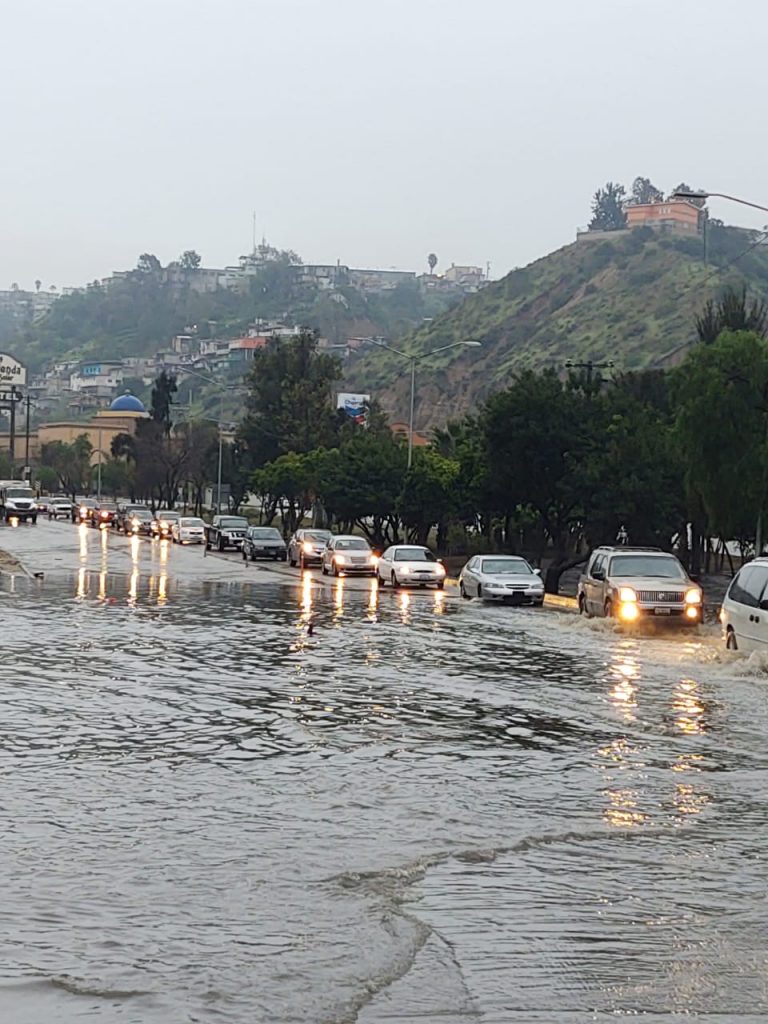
x=413 y=359
x=702 y=194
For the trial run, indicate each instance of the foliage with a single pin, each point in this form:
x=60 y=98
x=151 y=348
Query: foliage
x=190 y=260
x=71 y=462
x=608 y=208
x=287 y=486
x=428 y=496
x=164 y=389
x=644 y=191
x=432 y=262
x=732 y=312
x=289 y=406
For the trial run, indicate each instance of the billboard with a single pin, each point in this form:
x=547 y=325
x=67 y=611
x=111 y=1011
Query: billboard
x=12 y=372
x=355 y=406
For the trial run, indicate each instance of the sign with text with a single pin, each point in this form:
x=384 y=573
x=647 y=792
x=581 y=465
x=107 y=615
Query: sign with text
x=355 y=406
x=12 y=372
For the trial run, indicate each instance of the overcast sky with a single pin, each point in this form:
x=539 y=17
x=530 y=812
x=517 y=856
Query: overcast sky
x=369 y=132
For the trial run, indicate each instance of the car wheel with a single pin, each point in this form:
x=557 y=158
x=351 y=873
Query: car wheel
x=380 y=579
x=335 y=569
x=293 y=563
x=324 y=569
x=395 y=581
x=441 y=584
x=245 y=557
x=221 y=544
x=480 y=591
x=583 y=607
x=731 y=643
x=34 y=520
x=608 y=610
x=463 y=591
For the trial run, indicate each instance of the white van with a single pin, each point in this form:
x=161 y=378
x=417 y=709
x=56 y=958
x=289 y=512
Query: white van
x=17 y=501
x=744 y=614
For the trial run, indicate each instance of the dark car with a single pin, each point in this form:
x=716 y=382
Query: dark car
x=306 y=546
x=162 y=523
x=103 y=514
x=226 y=532
x=264 y=542
x=82 y=510
x=137 y=520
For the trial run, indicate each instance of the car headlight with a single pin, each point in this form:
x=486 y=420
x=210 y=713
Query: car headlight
x=373 y=559
x=83 y=511
x=307 y=547
x=404 y=569
x=627 y=595
x=341 y=559
x=103 y=514
x=693 y=597
x=440 y=569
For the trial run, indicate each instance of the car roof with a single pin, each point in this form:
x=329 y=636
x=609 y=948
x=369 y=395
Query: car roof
x=626 y=549
x=514 y=558
x=349 y=536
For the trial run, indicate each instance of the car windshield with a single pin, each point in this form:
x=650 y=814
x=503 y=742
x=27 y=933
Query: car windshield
x=233 y=523
x=192 y=521
x=320 y=536
x=414 y=555
x=20 y=492
x=502 y=566
x=352 y=544
x=141 y=513
x=169 y=517
x=265 y=533
x=664 y=566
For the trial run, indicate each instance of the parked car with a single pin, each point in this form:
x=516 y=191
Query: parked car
x=264 y=542
x=82 y=510
x=306 y=546
x=744 y=614
x=634 y=583
x=43 y=503
x=188 y=530
x=506 y=578
x=226 y=532
x=347 y=555
x=162 y=523
x=60 y=508
x=17 y=501
x=104 y=514
x=410 y=565
x=137 y=520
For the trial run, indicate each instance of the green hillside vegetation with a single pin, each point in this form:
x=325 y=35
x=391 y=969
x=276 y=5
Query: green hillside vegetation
x=139 y=313
x=631 y=299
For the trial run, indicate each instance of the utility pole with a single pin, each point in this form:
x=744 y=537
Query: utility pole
x=589 y=367
x=26 y=440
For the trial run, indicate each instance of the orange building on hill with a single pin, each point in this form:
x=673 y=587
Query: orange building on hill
x=678 y=214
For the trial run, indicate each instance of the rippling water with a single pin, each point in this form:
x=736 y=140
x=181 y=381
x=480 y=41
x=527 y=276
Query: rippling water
x=420 y=810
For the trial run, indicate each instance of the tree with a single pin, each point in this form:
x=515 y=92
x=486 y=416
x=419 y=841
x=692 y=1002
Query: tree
x=428 y=497
x=38 y=285
x=722 y=427
x=148 y=263
x=71 y=463
x=116 y=477
x=190 y=260
x=644 y=191
x=432 y=262
x=732 y=312
x=289 y=406
x=608 y=208
x=288 y=485
x=165 y=387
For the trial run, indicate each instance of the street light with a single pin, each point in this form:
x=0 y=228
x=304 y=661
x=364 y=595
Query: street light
x=700 y=194
x=223 y=387
x=413 y=359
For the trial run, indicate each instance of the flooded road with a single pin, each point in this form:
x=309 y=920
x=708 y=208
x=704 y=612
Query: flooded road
x=422 y=810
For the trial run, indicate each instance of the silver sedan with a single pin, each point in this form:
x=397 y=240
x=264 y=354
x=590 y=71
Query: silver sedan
x=506 y=578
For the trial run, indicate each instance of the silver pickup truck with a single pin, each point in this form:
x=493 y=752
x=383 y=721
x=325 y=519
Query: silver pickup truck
x=225 y=532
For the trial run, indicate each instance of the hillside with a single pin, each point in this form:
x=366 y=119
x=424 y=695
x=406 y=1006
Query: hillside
x=631 y=299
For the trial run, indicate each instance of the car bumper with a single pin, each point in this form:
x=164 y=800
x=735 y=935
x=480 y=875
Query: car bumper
x=357 y=570
x=420 y=581
x=267 y=552
x=680 y=614
x=516 y=597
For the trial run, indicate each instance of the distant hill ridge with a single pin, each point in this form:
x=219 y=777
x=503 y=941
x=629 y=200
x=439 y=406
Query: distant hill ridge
x=631 y=299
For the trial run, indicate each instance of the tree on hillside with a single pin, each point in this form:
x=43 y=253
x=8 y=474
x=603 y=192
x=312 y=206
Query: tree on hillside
x=290 y=406
x=644 y=191
x=189 y=260
x=432 y=262
x=148 y=263
x=732 y=312
x=165 y=387
x=608 y=208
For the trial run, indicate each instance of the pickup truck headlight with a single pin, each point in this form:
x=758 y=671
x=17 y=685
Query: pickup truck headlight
x=627 y=595
x=693 y=597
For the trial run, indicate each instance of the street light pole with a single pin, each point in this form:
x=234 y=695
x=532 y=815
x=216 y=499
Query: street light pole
x=221 y=452
x=413 y=359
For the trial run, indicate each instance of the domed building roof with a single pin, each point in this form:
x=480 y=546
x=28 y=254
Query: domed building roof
x=127 y=403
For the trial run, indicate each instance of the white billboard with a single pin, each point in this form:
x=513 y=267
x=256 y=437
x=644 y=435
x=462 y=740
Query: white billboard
x=355 y=406
x=12 y=372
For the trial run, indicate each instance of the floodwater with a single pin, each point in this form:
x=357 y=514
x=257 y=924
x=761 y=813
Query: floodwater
x=419 y=810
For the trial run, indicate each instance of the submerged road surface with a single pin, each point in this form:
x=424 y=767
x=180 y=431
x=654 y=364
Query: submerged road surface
x=419 y=810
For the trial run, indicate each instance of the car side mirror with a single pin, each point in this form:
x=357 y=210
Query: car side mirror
x=764 y=605
x=537 y=572
x=598 y=574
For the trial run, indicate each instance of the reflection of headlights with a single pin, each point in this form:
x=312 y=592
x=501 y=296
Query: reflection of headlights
x=693 y=597
x=307 y=547
x=627 y=594
x=341 y=559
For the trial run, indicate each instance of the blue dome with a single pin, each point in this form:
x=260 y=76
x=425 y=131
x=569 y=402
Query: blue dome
x=127 y=403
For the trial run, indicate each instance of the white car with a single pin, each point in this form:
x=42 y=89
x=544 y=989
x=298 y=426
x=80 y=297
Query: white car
x=188 y=530
x=506 y=578
x=347 y=556
x=410 y=565
x=744 y=615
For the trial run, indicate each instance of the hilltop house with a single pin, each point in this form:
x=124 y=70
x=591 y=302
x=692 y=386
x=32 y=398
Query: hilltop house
x=678 y=214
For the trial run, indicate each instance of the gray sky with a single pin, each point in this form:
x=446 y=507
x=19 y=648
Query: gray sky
x=372 y=132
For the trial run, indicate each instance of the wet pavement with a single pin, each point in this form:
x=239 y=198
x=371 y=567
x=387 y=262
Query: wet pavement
x=420 y=810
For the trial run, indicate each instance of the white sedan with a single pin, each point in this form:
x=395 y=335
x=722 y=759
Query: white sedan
x=506 y=578
x=410 y=565
x=188 y=530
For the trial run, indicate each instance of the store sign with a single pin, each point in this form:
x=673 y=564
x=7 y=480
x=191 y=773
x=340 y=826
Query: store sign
x=12 y=372
x=355 y=406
